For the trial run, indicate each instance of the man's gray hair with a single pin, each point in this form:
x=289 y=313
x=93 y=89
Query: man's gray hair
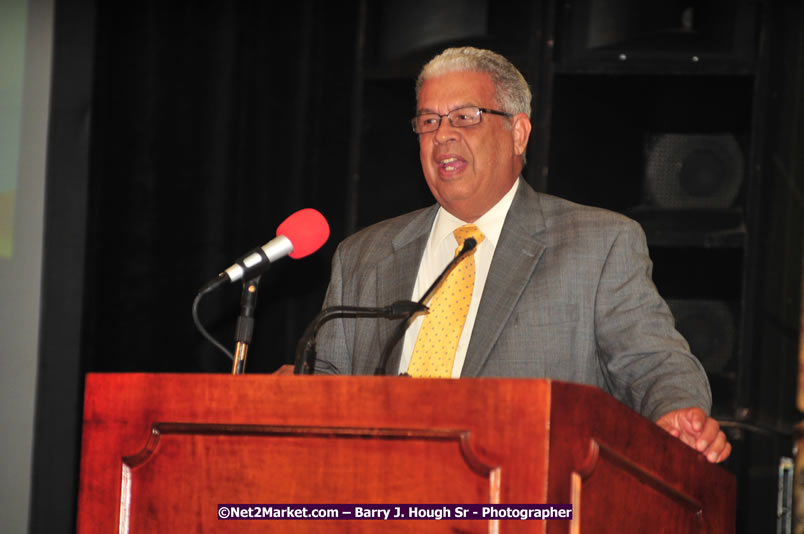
x=513 y=93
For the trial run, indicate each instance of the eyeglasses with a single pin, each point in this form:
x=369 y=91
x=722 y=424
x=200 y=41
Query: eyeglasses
x=458 y=118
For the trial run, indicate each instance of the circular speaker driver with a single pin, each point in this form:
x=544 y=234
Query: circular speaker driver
x=693 y=171
x=709 y=327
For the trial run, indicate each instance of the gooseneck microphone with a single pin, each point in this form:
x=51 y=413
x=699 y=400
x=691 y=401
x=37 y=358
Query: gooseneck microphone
x=298 y=236
x=401 y=309
x=468 y=246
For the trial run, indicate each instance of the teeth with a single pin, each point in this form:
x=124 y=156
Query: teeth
x=446 y=163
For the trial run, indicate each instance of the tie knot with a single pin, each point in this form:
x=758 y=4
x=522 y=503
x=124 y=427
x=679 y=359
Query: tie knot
x=465 y=232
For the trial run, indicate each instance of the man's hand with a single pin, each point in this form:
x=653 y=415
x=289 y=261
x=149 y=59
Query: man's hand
x=696 y=429
x=284 y=370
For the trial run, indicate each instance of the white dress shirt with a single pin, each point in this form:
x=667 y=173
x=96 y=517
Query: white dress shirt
x=439 y=251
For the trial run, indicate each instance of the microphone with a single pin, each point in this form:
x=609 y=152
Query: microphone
x=298 y=236
x=401 y=309
x=468 y=246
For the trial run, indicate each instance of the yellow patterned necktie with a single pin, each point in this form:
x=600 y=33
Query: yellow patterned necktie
x=435 y=348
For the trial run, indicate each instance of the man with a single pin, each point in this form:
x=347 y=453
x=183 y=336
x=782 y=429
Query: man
x=552 y=289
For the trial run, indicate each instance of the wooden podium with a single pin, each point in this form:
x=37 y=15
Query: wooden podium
x=161 y=451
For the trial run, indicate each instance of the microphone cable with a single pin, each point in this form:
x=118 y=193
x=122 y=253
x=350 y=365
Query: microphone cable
x=203 y=330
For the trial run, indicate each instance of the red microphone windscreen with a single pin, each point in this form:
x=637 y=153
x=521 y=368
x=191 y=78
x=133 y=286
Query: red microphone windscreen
x=307 y=230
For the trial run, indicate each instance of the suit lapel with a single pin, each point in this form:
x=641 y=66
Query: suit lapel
x=515 y=258
x=396 y=276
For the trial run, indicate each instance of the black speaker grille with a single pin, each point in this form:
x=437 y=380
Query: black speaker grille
x=709 y=327
x=693 y=171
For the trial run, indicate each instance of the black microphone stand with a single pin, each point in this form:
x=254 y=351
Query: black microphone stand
x=245 y=324
x=402 y=309
x=468 y=246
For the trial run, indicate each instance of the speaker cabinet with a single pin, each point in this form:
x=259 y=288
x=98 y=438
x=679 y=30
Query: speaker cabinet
x=653 y=110
x=677 y=35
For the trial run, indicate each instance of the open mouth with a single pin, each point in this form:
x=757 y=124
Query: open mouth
x=452 y=164
x=447 y=164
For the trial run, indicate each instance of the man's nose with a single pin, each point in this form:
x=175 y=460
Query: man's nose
x=445 y=132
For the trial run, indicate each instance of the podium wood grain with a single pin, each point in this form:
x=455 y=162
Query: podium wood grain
x=161 y=451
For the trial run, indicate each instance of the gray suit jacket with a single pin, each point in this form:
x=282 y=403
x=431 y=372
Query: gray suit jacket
x=569 y=296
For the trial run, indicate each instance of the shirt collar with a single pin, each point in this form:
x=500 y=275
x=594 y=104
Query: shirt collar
x=490 y=223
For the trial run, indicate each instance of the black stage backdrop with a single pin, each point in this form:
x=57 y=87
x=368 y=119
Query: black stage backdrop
x=205 y=124
x=212 y=122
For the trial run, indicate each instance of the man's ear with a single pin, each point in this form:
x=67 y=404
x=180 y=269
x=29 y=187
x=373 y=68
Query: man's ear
x=521 y=132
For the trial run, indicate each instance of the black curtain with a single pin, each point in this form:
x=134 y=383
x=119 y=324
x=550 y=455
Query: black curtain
x=212 y=122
